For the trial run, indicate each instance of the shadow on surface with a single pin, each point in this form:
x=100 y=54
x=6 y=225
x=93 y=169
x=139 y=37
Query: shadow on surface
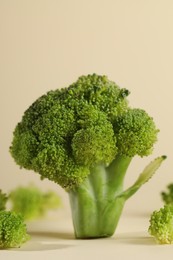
x=40 y=246
x=52 y=235
x=41 y=241
x=135 y=239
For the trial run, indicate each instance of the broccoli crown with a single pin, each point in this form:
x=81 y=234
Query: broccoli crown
x=31 y=202
x=66 y=132
x=135 y=133
x=161 y=227
x=3 y=200
x=13 y=231
x=167 y=197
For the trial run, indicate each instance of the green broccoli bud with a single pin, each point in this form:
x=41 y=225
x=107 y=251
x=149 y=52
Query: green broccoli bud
x=83 y=137
x=167 y=197
x=98 y=91
x=136 y=133
x=95 y=142
x=13 y=231
x=161 y=227
x=32 y=203
x=3 y=200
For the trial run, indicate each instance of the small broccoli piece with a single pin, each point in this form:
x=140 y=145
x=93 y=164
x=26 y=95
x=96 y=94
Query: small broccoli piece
x=161 y=225
x=32 y=203
x=84 y=137
x=167 y=197
x=3 y=200
x=13 y=231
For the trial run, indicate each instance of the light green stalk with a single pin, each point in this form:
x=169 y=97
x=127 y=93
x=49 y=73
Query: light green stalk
x=98 y=203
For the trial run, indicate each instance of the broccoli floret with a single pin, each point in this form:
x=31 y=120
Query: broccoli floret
x=167 y=197
x=32 y=203
x=3 y=200
x=161 y=225
x=84 y=137
x=13 y=232
x=136 y=133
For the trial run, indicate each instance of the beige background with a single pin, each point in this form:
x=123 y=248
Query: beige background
x=47 y=44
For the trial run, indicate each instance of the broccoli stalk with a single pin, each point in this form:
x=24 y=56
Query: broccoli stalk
x=83 y=138
x=98 y=203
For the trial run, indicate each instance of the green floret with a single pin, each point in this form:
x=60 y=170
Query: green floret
x=95 y=142
x=167 y=197
x=136 y=133
x=161 y=225
x=83 y=137
x=3 y=200
x=100 y=92
x=32 y=203
x=13 y=231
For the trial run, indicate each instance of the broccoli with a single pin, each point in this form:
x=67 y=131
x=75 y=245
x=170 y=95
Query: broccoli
x=13 y=231
x=161 y=225
x=31 y=202
x=3 y=200
x=83 y=137
x=167 y=197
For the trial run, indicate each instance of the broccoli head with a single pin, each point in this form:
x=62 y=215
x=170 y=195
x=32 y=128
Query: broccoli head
x=3 y=200
x=67 y=131
x=161 y=227
x=31 y=202
x=85 y=133
x=13 y=231
x=167 y=197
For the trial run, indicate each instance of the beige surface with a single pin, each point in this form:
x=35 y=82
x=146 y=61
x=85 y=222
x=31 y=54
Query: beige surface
x=47 y=44
x=53 y=239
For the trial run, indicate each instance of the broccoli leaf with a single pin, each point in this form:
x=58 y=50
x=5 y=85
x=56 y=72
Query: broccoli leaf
x=147 y=174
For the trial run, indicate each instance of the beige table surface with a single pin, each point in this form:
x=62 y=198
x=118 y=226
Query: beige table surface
x=52 y=238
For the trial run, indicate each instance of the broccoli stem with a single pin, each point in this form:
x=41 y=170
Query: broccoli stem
x=95 y=208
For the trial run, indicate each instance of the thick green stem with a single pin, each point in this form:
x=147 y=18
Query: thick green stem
x=95 y=208
x=98 y=203
x=115 y=174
